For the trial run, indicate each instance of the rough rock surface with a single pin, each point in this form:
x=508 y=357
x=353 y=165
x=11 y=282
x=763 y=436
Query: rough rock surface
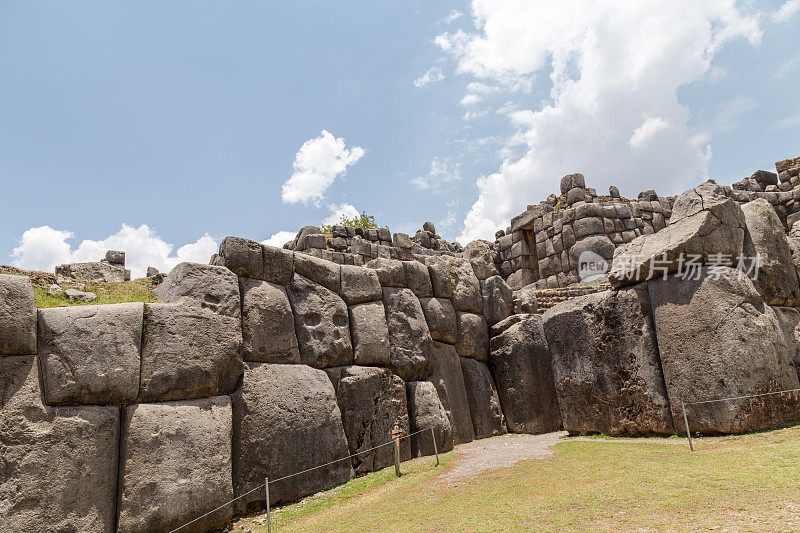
x=498 y=301
x=521 y=364
x=372 y=401
x=446 y=376
x=370 y=334
x=207 y=287
x=175 y=465
x=17 y=316
x=285 y=420
x=359 y=285
x=425 y=411
x=606 y=365
x=58 y=465
x=717 y=339
x=390 y=272
x=325 y=273
x=418 y=279
x=94 y=272
x=466 y=287
x=321 y=324
x=441 y=318
x=479 y=253
x=484 y=403
x=777 y=277
x=90 y=354
x=789 y=320
x=409 y=336
x=267 y=323
x=439 y=269
x=473 y=336
x=525 y=301
x=243 y=257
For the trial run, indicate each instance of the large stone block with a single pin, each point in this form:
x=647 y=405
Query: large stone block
x=446 y=376
x=90 y=354
x=441 y=318
x=205 y=286
x=498 y=300
x=717 y=339
x=243 y=257
x=278 y=265
x=466 y=287
x=439 y=269
x=789 y=320
x=484 y=403
x=325 y=273
x=370 y=334
x=409 y=336
x=359 y=285
x=94 y=272
x=58 y=465
x=267 y=323
x=418 y=279
x=175 y=465
x=390 y=272
x=321 y=324
x=481 y=257
x=521 y=365
x=473 y=336
x=425 y=411
x=286 y=420
x=764 y=236
x=606 y=365
x=372 y=401
x=17 y=316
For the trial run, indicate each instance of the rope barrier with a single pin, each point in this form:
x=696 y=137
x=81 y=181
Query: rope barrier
x=743 y=397
x=295 y=474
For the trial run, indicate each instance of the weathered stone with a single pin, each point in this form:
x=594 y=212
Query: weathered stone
x=717 y=339
x=409 y=336
x=525 y=301
x=521 y=365
x=439 y=269
x=58 y=465
x=175 y=465
x=425 y=410
x=243 y=257
x=481 y=257
x=278 y=265
x=90 y=354
x=428 y=226
x=598 y=244
x=94 y=272
x=390 y=272
x=584 y=227
x=606 y=365
x=206 y=286
x=321 y=323
x=765 y=238
x=484 y=403
x=473 y=336
x=115 y=257
x=325 y=273
x=372 y=401
x=286 y=420
x=441 y=318
x=152 y=271
x=446 y=376
x=789 y=321
x=418 y=279
x=503 y=325
x=317 y=240
x=267 y=323
x=466 y=287
x=498 y=300
x=370 y=334
x=359 y=285
x=17 y=316
x=74 y=294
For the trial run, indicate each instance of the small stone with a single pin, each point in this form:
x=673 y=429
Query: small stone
x=54 y=290
x=80 y=295
x=428 y=226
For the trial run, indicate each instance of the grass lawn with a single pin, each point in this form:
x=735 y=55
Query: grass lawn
x=740 y=483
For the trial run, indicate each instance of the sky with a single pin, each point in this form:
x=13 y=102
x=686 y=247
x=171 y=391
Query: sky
x=159 y=128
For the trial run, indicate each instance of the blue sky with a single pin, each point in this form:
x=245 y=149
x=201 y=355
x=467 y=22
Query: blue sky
x=163 y=127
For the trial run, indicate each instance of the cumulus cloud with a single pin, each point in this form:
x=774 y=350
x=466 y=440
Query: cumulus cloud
x=786 y=11
x=441 y=173
x=613 y=72
x=317 y=164
x=431 y=77
x=339 y=211
x=280 y=238
x=43 y=248
x=453 y=15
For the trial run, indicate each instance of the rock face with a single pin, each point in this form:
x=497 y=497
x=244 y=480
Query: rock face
x=484 y=403
x=94 y=272
x=525 y=301
x=207 y=287
x=359 y=285
x=17 y=316
x=409 y=337
x=606 y=364
x=439 y=269
x=466 y=287
x=90 y=354
x=321 y=323
x=267 y=323
x=789 y=320
x=717 y=339
x=58 y=470
x=777 y=276
x=441 y=318
x=480 y=256
x=425 y=411
x=704 y=222
x=253 y=260
x=473 y=337
x=498 y=301
x=285 y=420
x=318 y=270
x=520 y=362
x=370 y=334
x=179 y=455
x=448 y=380
x=372 y=401
x=418 y=279
x=390 y=272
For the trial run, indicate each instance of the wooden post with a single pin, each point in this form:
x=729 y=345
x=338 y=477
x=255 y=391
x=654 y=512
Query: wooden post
x=686 y=421
x=435 y=449
x=266 y=490
x=397 y=457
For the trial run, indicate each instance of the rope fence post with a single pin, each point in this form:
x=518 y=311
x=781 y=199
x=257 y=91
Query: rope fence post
x=269 y=518
x=686 y=421
x=435 y=449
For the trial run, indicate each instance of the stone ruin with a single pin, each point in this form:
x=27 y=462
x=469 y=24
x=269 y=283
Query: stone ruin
x=109 y=269
x=271 y=361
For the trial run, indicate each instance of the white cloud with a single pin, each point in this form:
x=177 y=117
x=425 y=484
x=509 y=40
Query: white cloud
x=317 y=164
x=471 y=99
x=441 y=173
x=786 y=11
x=43 y=248
x=431 y=77
x=280 y=238
x=339 y=211
x=453 y=15
x=608 y=68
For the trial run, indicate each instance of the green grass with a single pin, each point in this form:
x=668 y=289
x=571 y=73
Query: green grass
x=139 y=290
x=743 y=483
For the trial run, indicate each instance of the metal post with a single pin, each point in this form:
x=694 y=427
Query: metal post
x=397 y=457
x=266 y=490
x=686 y=421
x=435 y=449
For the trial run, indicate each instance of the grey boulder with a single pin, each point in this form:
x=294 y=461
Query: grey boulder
x=498 y=300
x=473 y=336
x=370 y=334
x=466 y=287
x=481 y=257
x=525 y=301
x=207 y=287
x=409 y=337
x=325 y=273
x=446 y=376
x=267 y=323
x=441 y=318
x=426 y=413
x=391 y=272
x=17 y=316
x=484 y=403
x=418 y=279
x=359 y=285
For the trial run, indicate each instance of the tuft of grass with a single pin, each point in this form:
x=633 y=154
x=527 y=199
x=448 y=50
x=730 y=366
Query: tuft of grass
x=140 y=290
